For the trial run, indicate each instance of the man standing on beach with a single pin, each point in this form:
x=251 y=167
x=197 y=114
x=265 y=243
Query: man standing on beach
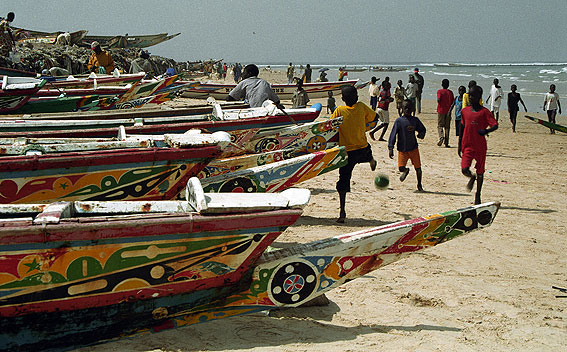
x=255 y=91
x=477 y=122
x=496 y=98
x=420 y=83
x=411 y=92
x=290 y=73
x=445 y=101
x=307 y=74
x=550 y=104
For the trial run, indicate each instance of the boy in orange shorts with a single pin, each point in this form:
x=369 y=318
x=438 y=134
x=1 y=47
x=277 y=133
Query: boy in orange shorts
x=405 y=128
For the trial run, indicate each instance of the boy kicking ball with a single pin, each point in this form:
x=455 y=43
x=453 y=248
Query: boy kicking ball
x=404 y=130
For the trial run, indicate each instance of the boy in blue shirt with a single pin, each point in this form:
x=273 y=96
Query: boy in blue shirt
x=405 y=128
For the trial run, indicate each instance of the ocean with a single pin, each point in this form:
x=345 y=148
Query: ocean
x=532 y=79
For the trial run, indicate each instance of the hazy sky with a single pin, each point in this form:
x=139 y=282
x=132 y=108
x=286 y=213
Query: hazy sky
x=330 y=31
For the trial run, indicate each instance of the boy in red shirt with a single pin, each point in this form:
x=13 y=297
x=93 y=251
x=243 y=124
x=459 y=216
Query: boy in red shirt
x=476 y=122
x=445 y=100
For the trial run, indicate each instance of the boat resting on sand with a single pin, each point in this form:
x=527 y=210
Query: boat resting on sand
x=232 y=121
x=128 y=41
x=64 y=297
x=106 y=263
x=548 y=124
x=284 y=91
x=130 y=168
x=14 y=93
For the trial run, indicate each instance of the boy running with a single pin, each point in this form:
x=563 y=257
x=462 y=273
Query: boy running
x=476 y=122
x=405 y=128
x=352 y=135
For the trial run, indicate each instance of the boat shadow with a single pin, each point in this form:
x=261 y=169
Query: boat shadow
x=535 y=210
x=316 y=191
x=444 y=193
x=350 y=222
x=291 y=326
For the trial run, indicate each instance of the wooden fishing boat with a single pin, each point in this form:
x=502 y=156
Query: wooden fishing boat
x=94 y=80
x=106 y=263
x=232 y=121
x=284 y=91
x=51 y=38
x=129 y=41
x=127 y=168
x=12 y=72
x=39 y=277
x=277 y=176
x=14 y=93
x=387 y=69
x=548 y=124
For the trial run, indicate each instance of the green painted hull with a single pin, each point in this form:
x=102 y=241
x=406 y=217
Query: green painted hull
x=548 y=124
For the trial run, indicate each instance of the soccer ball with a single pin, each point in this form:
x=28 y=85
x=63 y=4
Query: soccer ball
x=381 y=181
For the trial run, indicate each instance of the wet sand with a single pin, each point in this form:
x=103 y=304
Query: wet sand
x=489 y=290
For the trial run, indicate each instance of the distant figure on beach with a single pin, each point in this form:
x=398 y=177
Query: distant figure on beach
x=323 y=77
x=300 y=97
x=513 y=99
x=237 y=72
x=411 y=92
x=342 y=73
x=445 y=100
x=550 y=104
x=466 y=101
x=384 y=100
x=420 y=83
x=399 y=96
x=142 y=64
x=352 y=135
x=255 y=91
x=290 y=73
x=404 y=130
x=495 y=97
x=331 y=104
x=477 y=122
x=100 y=61
x=307 y=74
x=7 y=41
x=458 y=104
x=373 y=91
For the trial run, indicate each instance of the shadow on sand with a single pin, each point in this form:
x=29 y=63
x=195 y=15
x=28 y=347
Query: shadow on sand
x=535 y=210
x=350 y=222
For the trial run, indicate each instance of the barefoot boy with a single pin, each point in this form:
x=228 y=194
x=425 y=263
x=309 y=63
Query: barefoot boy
x=405 y=128
x=476 y=123
x=352 y=135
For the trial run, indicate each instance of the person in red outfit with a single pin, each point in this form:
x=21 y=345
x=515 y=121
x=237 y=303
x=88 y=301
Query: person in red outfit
x=445 y=101
x=476 y=122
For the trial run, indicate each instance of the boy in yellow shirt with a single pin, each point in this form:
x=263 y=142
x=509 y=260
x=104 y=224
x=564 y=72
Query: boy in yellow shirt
x=352 y=135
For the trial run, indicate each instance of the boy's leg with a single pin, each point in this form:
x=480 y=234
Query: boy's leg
x=376 y=129
x=418 y=174
x=467 y=172
x=440 y=127
x=343 y=186
x=342 y=211
x=447 y=129
x=479 y=181
x=551 y=118
x=403 y=158
x=383 y=133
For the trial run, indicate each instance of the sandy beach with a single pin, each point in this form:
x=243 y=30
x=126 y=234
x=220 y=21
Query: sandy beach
x=489 y=290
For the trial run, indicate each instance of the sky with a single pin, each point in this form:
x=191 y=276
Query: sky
x=323 y=32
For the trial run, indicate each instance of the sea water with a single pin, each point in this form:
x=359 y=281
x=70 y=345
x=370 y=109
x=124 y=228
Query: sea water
x=532 y=79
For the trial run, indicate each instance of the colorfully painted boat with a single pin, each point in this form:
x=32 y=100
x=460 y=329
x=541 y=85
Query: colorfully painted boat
x=132 y=168
x=50 y=38
x=107 y=264
x=52 y=296
x=94 y=80
x=234 y=121
x=277 y=176
x=548 y=124
x=12 y=72
x=284 y=91
x=14 y=93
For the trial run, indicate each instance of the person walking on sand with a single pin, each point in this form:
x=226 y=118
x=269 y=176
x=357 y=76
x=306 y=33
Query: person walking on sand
x=477 y=122
x=420 y=83
x=307 y=74
x=300 y=97
x=100 y=61
x=513 y=108
x=496 y=98
x=411 y=92
x=331 y=103
x=290 y=73
x=399 y=96
x=550 y=105
x=458 y=104
x=252 y=89
x=445 y=100
x=373 y=91
x=7 y=41
x=352 y=135
x=384 y=101
x=404 y=129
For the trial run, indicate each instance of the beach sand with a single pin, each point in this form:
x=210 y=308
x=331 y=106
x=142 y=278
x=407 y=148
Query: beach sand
x=489 y=290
